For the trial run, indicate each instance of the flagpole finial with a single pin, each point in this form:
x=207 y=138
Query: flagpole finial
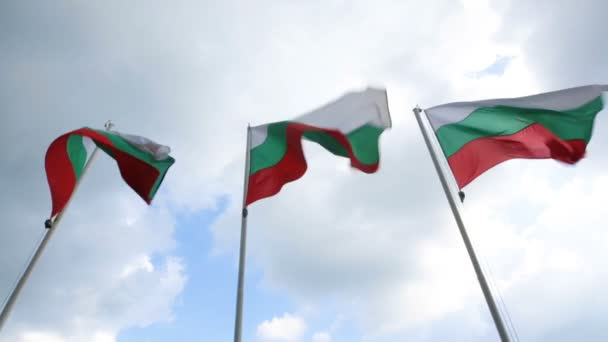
x=108 y=125
x=461 y=195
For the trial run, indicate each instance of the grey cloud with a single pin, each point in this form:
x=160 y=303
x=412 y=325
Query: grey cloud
x=67 y=65
x=191 y=75
x=301 y=248
x=99 y=236
x=560 y=42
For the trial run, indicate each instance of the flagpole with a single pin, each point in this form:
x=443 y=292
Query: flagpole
x=238 y=321
x=51 y=227
x=500 y=327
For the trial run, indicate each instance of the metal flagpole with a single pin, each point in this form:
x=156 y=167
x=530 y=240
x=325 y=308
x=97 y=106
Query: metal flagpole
x=51 y=227
x=238 y=321
x=465 y=237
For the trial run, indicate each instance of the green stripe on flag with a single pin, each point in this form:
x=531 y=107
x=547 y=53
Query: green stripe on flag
x=77 y=154
x=160 y=165
x=363 y=140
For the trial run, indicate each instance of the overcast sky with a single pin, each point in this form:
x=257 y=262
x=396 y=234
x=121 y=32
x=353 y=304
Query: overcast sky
x=338 y=255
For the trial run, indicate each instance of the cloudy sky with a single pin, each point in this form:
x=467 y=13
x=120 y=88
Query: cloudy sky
x=338 y=255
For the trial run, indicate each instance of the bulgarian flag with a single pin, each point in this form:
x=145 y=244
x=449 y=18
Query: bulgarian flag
x=142 y=162
x=476 y=136
x=347 y=127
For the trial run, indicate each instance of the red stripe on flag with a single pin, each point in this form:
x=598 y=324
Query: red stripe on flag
x=532 y=142
x=140 y=176
x=59 y=173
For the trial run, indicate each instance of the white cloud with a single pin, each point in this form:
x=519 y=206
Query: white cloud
x=379 y=242
x=321 y=336
x=286 y=328
x=96 y=276
x=40 y=337
x=545 y=259
x=141 y=263
x=383 y=246
x=95 y=336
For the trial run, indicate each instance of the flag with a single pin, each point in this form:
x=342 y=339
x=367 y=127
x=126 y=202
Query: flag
x=476 y=136
x=347 y=127
x=142 y=162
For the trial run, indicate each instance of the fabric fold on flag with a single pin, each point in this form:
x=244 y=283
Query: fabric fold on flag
x=142 y=162
x=476 y=136
x=348 y=127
